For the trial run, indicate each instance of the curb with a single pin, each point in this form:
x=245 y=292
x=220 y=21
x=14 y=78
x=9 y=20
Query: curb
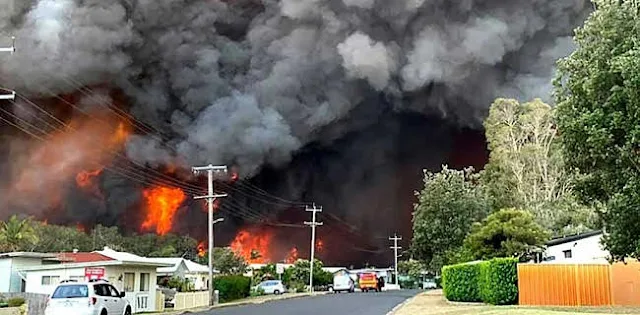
x=397 y=307
x=233 y=304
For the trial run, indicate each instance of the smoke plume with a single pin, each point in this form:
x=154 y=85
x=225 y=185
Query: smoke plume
x=249 y=82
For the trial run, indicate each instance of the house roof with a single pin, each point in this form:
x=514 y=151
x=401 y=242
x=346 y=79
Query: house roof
x=27 y=255
x=572 y=238
x=83 y=257
x=106 y=257
x=192 y=267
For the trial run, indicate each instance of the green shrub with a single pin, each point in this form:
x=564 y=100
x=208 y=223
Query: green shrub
x=493 y=282
x=257 y=292
x=298 y=287
x=499 y=281
x=15 y=302
x=232 y=287
x=460 y=282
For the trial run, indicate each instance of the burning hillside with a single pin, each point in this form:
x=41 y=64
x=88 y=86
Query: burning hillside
x=339 y=102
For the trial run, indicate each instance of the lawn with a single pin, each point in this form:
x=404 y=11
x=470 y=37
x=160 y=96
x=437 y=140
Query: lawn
x=433 y=303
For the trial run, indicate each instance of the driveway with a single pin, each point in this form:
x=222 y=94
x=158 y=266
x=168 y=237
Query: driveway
x=328 y=304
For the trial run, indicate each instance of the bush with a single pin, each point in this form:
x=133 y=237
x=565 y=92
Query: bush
x=493 y=282
x=460 y=282
x=298 y=287
x=15 y=302
x=232 y=287
x=499 y=281
x=257 y=292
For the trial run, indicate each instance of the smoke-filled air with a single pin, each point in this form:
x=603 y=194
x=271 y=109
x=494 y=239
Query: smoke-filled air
x=287 y=92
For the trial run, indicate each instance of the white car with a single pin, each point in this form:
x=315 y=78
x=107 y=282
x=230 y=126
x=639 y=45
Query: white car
x=342 y=282
x=272 y=287
x=87 y=298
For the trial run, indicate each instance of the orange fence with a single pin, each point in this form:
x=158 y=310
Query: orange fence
x=579 y=284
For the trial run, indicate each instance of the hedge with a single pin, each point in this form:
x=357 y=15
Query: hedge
x=460 y=282
x=232 y=287
x=500 y=281
x=494 y=281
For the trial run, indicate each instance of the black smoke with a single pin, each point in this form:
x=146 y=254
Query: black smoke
x=346 y=99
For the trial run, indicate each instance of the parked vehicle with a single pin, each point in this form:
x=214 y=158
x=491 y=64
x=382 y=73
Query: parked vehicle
x=368 y=281
x=429 y=284
x=272 y=287
x=87 y=298
x=342 y=282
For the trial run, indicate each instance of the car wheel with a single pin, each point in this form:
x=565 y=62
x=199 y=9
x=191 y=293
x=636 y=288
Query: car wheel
x=331 y=290
x=276 y=292
x=104 y=312
x=127 y=311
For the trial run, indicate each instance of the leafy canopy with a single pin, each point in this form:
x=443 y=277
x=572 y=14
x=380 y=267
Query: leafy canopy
x=597 y=92
x=505 y=233
x=447 y=206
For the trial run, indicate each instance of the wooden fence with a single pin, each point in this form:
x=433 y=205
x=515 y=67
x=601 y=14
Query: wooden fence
x=187 y=300
x=579 y=284
x=36 y=302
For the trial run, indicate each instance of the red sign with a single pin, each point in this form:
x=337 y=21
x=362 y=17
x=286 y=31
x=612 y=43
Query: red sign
x=93 y=273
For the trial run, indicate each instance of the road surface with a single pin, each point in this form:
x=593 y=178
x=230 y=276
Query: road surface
x=329 y=304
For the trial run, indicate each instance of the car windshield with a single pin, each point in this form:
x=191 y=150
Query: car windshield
x=70 y=291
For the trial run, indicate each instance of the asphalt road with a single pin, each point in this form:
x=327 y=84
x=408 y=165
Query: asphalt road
x=329 y=304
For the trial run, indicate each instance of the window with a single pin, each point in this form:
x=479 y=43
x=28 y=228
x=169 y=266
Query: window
x=144 y=282
x=101 y=290
x=70 y=291
x=50 y=280
x=129 y=281
x=114 y=291
x=567 y=253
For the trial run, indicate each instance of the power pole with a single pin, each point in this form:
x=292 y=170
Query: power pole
x=11 y=50
x=211 y=197
x=395 y=248
x=313 y=225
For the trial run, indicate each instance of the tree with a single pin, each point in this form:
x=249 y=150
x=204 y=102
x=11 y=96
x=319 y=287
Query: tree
x=17 y=234
x=57 y=239
x=226 y=261
x=447 y=206
x=526 y=168
x=412 y=268
x=299 y=274
x=597 y=91
x=505 y=233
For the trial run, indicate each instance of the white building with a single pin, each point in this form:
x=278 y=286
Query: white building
x=581 y=248
x=132 y=274
x=186 y=269
x=11 y=263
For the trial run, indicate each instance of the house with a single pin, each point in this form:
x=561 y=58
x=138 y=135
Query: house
x=11 y=263
x=186 y=269
x=580 y=248
x=130 y=273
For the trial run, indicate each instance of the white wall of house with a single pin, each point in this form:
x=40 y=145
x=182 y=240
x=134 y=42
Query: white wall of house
x=9 y=266
x=586 y=250
x=6 y=274
x=141 y=294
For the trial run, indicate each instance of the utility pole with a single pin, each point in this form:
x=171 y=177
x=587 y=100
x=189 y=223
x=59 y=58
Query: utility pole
x=313 y=225
x=395 y=248
x=211 y=197
x=11 y=50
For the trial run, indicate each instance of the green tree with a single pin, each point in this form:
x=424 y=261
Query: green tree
x=412 y=268
x=506 y=233
x=299 y=274
x=526 y=168
x=226 y=261
x=447 y=206
x=57 y=239
x=17 y=234
x=597 y=92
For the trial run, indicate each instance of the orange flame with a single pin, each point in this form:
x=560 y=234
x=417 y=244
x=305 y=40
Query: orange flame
x=292 y=256
x=255 y=249
x=86 y=180
x=80 y=227
x=234 y=176
x=319 y=245
x=161 y=205
x=80 y=146
x=201 y=249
